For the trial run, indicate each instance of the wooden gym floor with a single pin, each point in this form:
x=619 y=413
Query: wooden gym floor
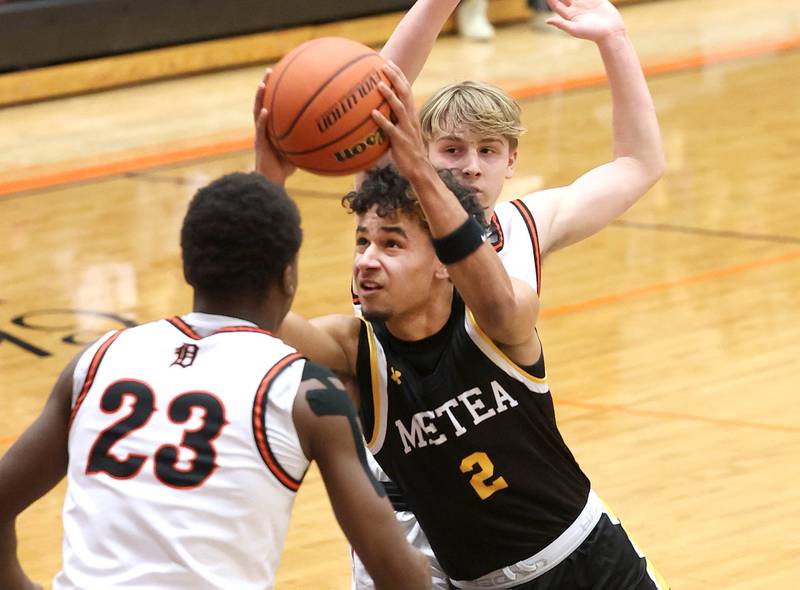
x=672 y=337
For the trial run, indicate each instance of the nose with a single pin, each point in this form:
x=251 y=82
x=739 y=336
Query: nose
x=470 y=166
x=368 y=258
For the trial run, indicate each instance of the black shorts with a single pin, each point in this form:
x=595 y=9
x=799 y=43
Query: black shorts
x=606 y=560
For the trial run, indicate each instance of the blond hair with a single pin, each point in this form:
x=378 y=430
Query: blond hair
x=482 y=108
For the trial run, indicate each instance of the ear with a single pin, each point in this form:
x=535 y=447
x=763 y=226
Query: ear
x=512 y=163
x=440 y=271
x=289 y=279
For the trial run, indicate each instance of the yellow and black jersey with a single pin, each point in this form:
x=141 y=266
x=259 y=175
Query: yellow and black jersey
x=471 y=440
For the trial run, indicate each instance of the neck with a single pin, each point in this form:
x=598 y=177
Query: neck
x=265 y=317
x=426 y=321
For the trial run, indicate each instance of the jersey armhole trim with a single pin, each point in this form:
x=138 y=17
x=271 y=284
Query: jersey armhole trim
x=375 y=382
x=530 y=224
x=260 y=423
x=90 y=375
x=498 y=245
x=500 y=353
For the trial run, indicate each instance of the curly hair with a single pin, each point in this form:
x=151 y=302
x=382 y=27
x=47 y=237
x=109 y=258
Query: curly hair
x=239 y=235
x=391 y=193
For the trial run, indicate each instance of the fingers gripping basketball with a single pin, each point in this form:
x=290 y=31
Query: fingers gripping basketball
x=320 y=96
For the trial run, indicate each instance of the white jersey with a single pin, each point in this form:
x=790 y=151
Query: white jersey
x=516 y=241
x=183 y=457
x=515 y=238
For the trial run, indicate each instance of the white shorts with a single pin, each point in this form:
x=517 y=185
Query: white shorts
x=414 y=535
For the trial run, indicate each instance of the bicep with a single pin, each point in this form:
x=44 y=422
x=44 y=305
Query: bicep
x=330 y=433
x=568 y=214
x=327 y=426
x=323 y=339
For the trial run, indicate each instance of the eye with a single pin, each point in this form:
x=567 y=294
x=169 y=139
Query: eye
x=488 y=150
x=361 y=243
x=392 y=244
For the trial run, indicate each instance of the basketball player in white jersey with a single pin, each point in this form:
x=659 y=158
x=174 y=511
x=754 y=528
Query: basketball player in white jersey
x=184 y=440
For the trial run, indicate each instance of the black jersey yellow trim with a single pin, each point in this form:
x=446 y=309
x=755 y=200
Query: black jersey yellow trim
x=503 y=355
x=376 y=390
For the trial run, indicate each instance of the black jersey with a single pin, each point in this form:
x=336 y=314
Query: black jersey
x=470 y=438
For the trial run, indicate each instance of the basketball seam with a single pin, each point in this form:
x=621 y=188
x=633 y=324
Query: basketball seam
x=345 y=134
x=270 y=126
x=316 y=93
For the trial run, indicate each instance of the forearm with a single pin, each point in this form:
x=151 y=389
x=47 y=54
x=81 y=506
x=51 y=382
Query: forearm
x=443 y=212
x=636 y=131
x=11 y=574
x=414 y=37
x=479 y=277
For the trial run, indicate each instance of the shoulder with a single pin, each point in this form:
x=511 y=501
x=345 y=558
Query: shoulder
x=323 y=392
x=320 y=395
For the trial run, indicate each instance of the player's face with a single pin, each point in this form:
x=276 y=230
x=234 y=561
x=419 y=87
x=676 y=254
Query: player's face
x=480 y=162
x=394 y=265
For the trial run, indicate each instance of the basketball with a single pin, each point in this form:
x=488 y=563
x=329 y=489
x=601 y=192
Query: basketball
x=320 y=96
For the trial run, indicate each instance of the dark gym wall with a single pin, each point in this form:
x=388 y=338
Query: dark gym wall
x=35 y=33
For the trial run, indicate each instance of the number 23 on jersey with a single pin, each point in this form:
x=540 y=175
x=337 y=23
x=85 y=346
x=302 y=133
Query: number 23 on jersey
x=199 y=441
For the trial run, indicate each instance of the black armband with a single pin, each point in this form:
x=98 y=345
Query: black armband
x=459 y=244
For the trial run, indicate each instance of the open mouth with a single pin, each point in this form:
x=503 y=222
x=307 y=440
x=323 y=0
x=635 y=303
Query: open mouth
x=368 y=287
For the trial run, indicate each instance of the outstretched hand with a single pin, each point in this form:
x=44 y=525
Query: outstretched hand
x=586 y=19
x=269 y=161
x=408 y=149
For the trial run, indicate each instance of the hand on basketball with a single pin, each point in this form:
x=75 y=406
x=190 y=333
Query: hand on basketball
x=586 y=19
x=408 y=149
x=269 y=162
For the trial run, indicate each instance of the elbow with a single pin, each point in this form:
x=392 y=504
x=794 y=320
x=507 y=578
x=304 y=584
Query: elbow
x=650 y=170
x=656 y=164
x=659 y=166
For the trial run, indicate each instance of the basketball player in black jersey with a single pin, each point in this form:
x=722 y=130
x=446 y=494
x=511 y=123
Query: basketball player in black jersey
x=451 y=387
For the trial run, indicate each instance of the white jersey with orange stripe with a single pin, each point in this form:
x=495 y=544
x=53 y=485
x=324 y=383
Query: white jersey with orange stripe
x=515 y=238
x=184 y=459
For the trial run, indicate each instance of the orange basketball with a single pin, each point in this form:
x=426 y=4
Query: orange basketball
x=320 y=96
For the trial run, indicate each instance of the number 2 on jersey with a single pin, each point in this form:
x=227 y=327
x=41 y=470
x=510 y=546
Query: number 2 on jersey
x=479 y=479
x=166 y=456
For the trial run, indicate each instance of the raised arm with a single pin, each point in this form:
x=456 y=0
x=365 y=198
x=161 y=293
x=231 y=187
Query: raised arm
x=411 y=43
x=34 y=464
x=329 y=433
x=413 y=38
x=505 y=309
x=569 y=214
